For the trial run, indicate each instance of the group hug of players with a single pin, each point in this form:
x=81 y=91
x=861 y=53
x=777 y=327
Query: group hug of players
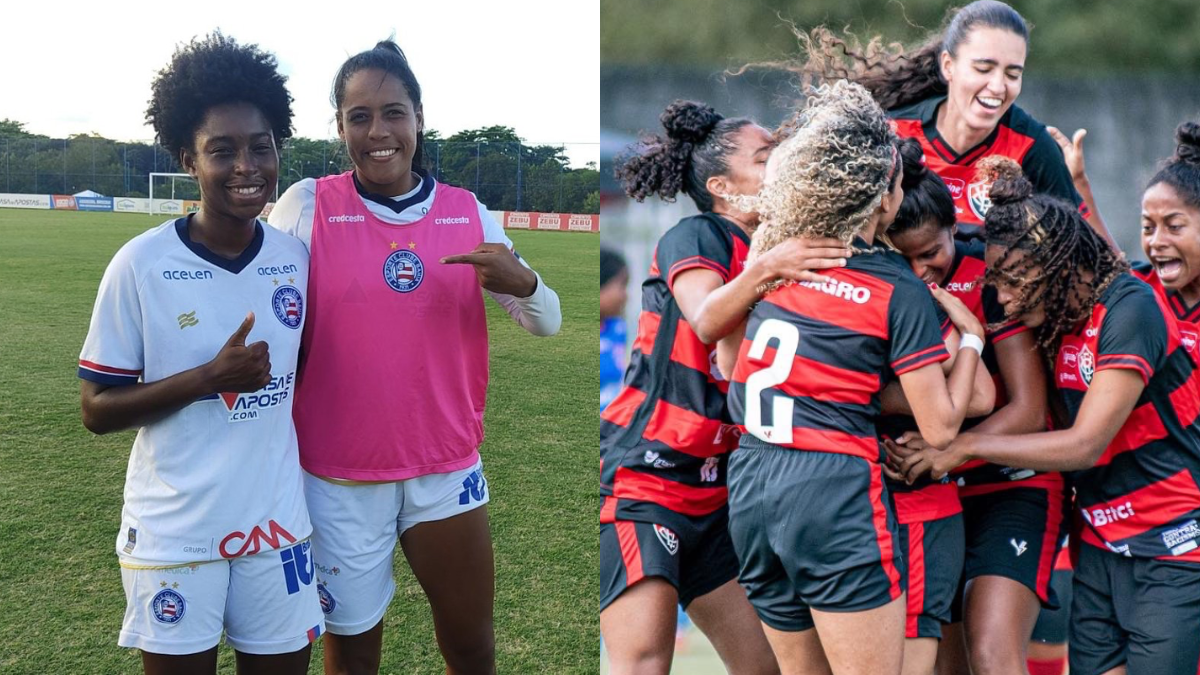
x=896 y=378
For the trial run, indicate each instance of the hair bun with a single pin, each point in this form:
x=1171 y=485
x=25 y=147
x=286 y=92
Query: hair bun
x=913 y=159
x=689 y=121
x=1009 y=184
x=1188 y=136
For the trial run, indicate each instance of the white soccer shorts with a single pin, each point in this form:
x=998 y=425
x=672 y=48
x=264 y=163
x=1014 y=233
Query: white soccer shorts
x=266 y=604
x=355 y=530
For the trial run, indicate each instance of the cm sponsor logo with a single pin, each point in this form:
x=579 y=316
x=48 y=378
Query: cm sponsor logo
x=237 y=544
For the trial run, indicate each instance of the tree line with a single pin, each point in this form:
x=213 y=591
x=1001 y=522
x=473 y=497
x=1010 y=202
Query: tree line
x=493 y=162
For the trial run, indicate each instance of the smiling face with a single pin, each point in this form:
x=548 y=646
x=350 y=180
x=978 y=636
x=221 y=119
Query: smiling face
x=1010 y=292
x=1171 y=237
x=234 y=161
x=984 y=77
x=746 y=167
x=929 y=249
x=380 y=125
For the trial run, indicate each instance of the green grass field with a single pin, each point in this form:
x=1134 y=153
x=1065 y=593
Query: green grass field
x=60 y=486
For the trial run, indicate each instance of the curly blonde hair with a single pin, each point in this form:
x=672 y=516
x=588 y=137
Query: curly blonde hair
x=832 y=171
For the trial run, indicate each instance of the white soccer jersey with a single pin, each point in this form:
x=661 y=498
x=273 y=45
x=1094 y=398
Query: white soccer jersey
x=221 y=477
x=540 y=313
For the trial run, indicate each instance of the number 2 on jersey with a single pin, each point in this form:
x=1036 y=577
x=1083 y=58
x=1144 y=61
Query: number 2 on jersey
x=788 y=337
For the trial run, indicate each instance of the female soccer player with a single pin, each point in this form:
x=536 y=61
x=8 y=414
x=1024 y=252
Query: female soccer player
x=214 y=532
x=1170 y=224
x=809 y=514
x=1003 y=581
x=390 y=412
x=1128 y=399
x=956 y=94
x=664 y=440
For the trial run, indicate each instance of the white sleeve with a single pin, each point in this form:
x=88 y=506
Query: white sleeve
x=540 y=313
x=113 y=352
x=294 y=211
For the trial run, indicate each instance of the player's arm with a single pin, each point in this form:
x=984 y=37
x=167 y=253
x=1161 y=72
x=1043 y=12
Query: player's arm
x=1105 y=408
x=1072 y=150
x=939 y=403
x=727 y=350
x=714 y=308
x=509 y=279
x=983 y=391
x=236 y=368
x=1024 y=380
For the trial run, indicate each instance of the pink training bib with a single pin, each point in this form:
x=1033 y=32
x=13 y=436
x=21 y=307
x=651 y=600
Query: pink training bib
x=394 y=369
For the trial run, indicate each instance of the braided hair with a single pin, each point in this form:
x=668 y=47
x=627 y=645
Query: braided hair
x=696 y=147
x=1066 y=265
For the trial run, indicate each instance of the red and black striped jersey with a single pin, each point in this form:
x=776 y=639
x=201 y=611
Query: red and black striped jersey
x=665 y=438
x=1141 y=498
x=1017 y=135
x=816 y=356
x=1187 y=317
x=926 y=499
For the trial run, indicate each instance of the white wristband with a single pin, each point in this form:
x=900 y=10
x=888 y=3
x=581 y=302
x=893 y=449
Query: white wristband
x=971 y=341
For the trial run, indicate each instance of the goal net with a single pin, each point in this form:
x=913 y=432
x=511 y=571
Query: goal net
x=170 y=191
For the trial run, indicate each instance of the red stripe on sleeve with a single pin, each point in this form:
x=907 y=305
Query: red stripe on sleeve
x=935 y=354
x=1127 y=361
x=108 y=369
x=695 y=262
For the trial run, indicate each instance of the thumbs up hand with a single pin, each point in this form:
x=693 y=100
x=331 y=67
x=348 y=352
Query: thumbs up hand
x=239 y=367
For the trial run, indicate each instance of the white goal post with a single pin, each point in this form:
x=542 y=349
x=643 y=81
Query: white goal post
x=171 y=199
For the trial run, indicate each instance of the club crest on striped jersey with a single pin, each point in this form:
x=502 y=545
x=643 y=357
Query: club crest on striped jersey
x=667 y=538
x=168 y=606
x=1188 y=338
x=1087 y=365
x=403 y=271
x=977 y=197
x=288 y=305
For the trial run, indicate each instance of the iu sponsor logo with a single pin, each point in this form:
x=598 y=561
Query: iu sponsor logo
x=667 y=538
x=297 y=567
x=474 y=488
x=236 y=544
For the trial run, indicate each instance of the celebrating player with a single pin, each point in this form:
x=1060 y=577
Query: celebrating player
x=956 y=94
x=390 y=409
x=1129 y=399
x=214 y=531
x=1013 y=518
x=810 y=517
x=664 y=440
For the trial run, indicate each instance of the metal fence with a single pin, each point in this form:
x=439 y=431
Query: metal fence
x=505 y=176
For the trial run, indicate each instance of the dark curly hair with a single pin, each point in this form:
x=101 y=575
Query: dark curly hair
x=210 y=72
x=926 y=197
x=386 y=56
x=697 y=147
x=1055 y=239
x=895 y=76
x=1182 y=170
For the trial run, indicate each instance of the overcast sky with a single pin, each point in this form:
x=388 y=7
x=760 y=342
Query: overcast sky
x=534 y=65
